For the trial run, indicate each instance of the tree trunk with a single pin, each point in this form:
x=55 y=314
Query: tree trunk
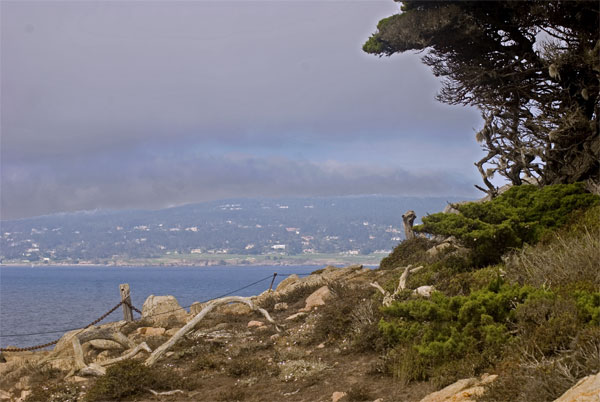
x=409 y=218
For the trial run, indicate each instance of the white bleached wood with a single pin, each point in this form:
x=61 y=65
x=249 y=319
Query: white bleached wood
x=153 y=358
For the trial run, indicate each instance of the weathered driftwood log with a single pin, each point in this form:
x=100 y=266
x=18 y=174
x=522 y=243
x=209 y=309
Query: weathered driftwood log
x=128 y=355
x=153 y=358
x=388 y=298
x=166 y=393
x=408 y=219
x=108 y=334
x=96 y=333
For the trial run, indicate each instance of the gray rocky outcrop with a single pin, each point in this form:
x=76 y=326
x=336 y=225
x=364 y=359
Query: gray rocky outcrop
x=163 y=311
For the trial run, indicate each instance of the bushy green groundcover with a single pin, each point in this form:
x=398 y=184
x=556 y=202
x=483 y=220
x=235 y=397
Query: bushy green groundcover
x=443 y=329
x=523 y=214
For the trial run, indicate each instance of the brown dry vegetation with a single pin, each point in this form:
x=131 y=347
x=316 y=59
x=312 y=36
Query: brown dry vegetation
x=532 y=319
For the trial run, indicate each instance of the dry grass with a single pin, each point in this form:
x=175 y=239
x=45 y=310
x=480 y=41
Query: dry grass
x=572 y=259
x=531 y=376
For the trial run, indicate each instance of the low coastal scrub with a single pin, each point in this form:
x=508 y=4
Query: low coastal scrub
x=434 y=337
x=523 y=214
x=410 y=251
x=131 y=378
x=523 y=301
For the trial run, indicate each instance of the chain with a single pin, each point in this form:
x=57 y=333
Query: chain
x=112 y=310
x=29 y=348
x=131 y=306
x=103 y=316
x=56 y=341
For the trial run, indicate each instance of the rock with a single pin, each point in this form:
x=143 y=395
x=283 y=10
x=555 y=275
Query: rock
x=234 y=309
x=221 y=326
x=285 y=284
x=76 y=379
x=196 y=308
x=424 y=291
x=255 y=324
x=378 y=400
x=437 y=250
x=332 y=274
x=5 y=396
x=465 y=390
x=172 y=331
x=64 y=343
x=295 y=316
x=163 y=310
x=281 y=306
x=105 y=344
x=24 y=383
x=321 y=346
x=151 y=331
x=24 y=394
x=586 y=390
x=317 y=298
x=63 y=364
x=336 y=396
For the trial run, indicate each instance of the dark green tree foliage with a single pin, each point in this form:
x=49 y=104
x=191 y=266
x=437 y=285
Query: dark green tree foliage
x=531 y=67
x=523 y=214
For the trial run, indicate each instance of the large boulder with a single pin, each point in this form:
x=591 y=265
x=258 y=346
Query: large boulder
x=465 y=390
x=317 y=298
x=586 y=390
x=285 y=284
x=163 y=311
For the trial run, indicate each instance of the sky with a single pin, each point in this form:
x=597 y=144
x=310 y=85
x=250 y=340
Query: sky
x=151 y=104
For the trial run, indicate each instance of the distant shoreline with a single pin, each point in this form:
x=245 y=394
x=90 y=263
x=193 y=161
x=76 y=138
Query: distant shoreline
x=201 y=261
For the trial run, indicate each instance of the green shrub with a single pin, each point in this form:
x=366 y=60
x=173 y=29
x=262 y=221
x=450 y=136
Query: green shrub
x=131 y=377
x=442 y=328
x=411 y=251
x=523 y=214
x=443 y=336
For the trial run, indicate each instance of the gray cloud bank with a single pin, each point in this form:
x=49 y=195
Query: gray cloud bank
x=163 y=182
x=169 y=91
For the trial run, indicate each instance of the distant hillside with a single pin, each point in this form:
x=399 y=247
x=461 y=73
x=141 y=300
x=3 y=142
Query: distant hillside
x=356 y=225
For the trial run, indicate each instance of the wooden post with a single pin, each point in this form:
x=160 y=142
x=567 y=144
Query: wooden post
x=408 y=218
x=272 y=281
x=126 y=299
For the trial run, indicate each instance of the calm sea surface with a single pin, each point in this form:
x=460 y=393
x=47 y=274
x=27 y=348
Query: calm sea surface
x=45 y=299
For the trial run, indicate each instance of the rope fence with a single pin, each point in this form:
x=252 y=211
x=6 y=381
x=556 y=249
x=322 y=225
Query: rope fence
x=132 y=307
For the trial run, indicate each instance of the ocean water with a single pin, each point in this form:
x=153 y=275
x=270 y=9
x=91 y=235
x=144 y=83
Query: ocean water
x=39 y=304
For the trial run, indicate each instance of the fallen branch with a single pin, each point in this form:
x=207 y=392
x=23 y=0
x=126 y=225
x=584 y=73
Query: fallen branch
x=166 y=393
x=97 y=333
x=402 y=283
x=133 y=352
x=388 y=298
x=153 y=358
